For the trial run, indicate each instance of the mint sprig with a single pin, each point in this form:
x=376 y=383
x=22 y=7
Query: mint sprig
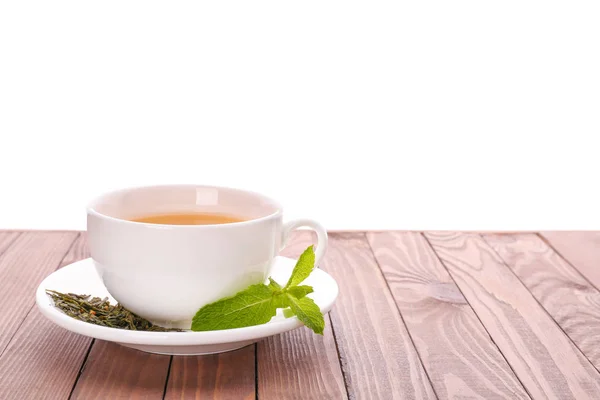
x=308 y=312
x=303 y=268
x=258 y=303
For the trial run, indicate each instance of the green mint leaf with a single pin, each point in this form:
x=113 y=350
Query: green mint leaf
x=303 y=267
x=280 y=300
x=307 y=312
x=254 y=306
x=274 y=285
x=258 y=304
x=299 y=291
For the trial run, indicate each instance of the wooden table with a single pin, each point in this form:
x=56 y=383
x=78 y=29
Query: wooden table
x=434 y=315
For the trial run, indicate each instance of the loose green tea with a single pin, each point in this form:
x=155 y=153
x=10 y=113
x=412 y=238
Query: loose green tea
x=95 y=310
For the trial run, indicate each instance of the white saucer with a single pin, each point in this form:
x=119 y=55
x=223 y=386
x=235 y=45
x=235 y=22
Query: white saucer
x=81 y=278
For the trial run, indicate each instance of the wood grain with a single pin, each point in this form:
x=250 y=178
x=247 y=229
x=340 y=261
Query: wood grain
x=378 y=358
x=43 y=355
x=545 y=360
x=6 y=239
x=116 y=372
x=581 y=249
x=217 y=376
x=78 y=251
x=458 y=354
x=28 y=260
x=569 y=298
x=300 y=364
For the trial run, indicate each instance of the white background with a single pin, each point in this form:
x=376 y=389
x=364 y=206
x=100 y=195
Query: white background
x=363 y=115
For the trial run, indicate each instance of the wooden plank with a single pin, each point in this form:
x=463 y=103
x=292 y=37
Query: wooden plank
x=378 y=358
x=581 y=249
x=218 y=376
x=29 y=259
x=116 y=372
x=300 y=361
x=43 y=362
x=6 y=239
x=78 y=251
x=569 y=298
x=547 y=363
x=459 y=356
x=43 y=355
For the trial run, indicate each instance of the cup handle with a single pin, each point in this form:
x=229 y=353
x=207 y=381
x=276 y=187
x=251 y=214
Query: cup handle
x=290 y=226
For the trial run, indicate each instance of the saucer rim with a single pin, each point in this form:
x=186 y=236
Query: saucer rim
x=187 y=338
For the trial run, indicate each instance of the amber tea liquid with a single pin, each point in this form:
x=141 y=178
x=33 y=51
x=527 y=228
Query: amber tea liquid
x=188 y=219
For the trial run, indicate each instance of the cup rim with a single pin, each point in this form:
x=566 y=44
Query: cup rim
x=90 y=210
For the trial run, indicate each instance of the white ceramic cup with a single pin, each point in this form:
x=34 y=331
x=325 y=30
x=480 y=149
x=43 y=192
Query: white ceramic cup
x=165 y=273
